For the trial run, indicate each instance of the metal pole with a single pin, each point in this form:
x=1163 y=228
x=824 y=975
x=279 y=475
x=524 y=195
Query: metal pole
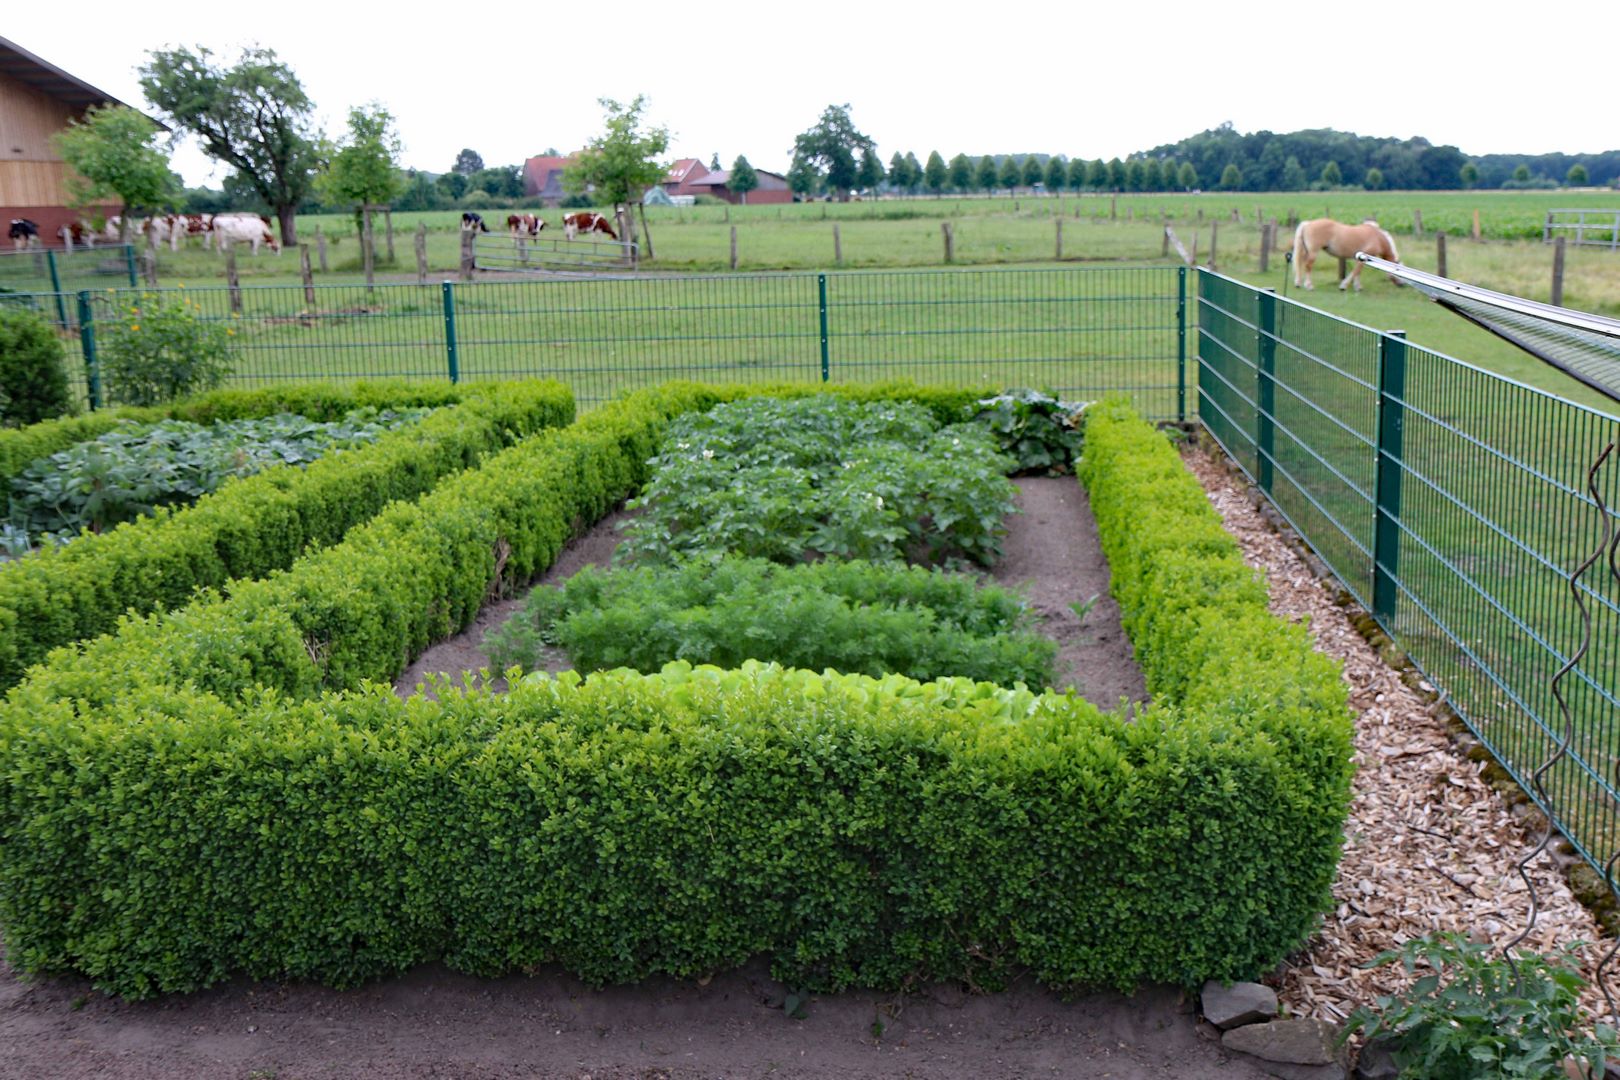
x=1266 y=395
x=448 y=289
x=821 y=288
x=87 y=342
x=129 y=265
x=56 y=287
x=1181 y=344
x=1387 y=479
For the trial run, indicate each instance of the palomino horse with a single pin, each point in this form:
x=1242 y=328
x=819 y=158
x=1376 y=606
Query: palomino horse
x=1342 y=242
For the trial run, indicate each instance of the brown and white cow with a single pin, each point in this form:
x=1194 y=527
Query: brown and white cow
x=245 y=228
x=587 y=221
x=78 y=234
x=524 y=224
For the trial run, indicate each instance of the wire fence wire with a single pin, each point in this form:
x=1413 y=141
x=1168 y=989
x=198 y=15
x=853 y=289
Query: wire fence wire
x=48 y=271
x=1077 y=332
x=1453 y=503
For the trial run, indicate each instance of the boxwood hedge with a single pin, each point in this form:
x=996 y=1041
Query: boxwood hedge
x=261 y=523
x=183 y=801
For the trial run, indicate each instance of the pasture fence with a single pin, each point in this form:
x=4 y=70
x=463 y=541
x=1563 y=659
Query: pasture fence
x=53 y=275
x=1456 y=506
x=1583 y=228
x=1078 y=332
x=541 y=254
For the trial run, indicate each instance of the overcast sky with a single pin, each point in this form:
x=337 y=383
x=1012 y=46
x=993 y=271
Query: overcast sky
x=509 y=80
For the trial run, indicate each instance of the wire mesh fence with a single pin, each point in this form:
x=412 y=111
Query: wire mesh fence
x=52 y=271
x=1077 y=332
x=1454 y=504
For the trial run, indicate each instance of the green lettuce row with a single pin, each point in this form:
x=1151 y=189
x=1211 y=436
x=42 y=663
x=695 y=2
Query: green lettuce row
x=180 y=802
x=256 y=524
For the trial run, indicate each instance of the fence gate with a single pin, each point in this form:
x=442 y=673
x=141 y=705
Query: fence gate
x=1584 y=228
x=550 y=254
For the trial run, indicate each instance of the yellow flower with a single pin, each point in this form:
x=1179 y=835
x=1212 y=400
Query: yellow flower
x=134 y=326
x=230 y=332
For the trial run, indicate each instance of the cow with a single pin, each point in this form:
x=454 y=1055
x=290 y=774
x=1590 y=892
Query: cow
x=245 y=228
x=23 y=233
x=193 y=225
x=77 y=232
x=471 y=222
x=587 y=221
x=524 y=224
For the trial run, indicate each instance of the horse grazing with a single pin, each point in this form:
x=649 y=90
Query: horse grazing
x=1342 y=242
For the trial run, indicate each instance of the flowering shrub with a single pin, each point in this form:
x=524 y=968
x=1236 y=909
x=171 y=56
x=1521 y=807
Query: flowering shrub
x=158 y=350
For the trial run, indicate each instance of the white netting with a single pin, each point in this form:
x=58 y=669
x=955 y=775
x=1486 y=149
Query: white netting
x=1586 y=346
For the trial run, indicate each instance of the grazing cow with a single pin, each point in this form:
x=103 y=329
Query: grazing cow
x=1342 y=242
x=77 y=232
x=247 y=229
x=587 y=222
x=193 y=225
x=23 y=233
x=524 y=224
x=471 y=222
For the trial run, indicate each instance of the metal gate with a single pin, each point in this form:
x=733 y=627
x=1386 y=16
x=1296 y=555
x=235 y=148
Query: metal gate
x=547 y=254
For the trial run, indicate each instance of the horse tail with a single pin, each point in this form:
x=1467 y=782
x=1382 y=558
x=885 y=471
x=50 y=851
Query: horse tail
x=1394 y=255
x=1299 y=244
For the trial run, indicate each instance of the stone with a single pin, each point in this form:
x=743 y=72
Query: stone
x=1239 y=1004
x=1297 y=1042
x=1376 y=1062
x=1286 y=1071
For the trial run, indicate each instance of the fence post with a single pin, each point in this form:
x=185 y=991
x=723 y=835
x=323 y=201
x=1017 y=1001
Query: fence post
x=451 y=350
x=1181 y=344
x=1266 y=387
x=821 y=290
x=838 y=246
x=1440 y=253
x=1059 y=255
x=734 y=247
x=129 y=265
x=56 y=287
x=1387 y=480
x=1558 y=273
x=309 y=278
x=1265 y=248
x=87 y=342
x=320 y=248
x=231 y=280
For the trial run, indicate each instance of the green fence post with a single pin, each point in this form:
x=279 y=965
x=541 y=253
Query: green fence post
x=87 y=341
x=448 y=289
x=1266 y=388
x=1387 y=492
x=821 y=287
x=1181 y=344
x=56 y=287
x=129 y=265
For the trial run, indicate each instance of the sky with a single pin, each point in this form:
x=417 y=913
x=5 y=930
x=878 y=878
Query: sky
x=510 y=80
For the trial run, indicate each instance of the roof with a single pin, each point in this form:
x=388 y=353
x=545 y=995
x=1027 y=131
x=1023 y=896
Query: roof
x=39 y=74
x=721 y=178
x=544 y=173
x=682 y=171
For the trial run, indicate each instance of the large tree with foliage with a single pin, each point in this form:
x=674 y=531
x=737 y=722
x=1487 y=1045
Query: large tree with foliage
x=899 y=172
x=985 y=176
x=1057 y=173
x=254 y=117
x=801 y=178
x=935 y=174
x=1576 y=177
x=114 y=155
x=623 y=161
x=870 y=173
x=1010 y=173
x=962 y=173
x=743 y=178
x=365 y=169
x=1186 y=176
x=468 y=162
x=1231 y=178
x=1078 y=170
x=1034 y=171
x=832 y=148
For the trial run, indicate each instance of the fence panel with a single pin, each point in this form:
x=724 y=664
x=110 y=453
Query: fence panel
x=54 y=271
x=1482 y=495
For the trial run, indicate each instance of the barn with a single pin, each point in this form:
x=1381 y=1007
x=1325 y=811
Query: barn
x=38 y=99
x=543 y=176
x=683 y=175
x=772 y=188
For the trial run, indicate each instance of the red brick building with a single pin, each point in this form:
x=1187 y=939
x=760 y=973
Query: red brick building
x=683 y=174
x=542 y=176
x=772 y=188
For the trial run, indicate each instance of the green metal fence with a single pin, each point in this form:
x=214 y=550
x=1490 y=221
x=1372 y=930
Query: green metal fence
x=1079 y=332
x=51 y=272
x=1453 y=503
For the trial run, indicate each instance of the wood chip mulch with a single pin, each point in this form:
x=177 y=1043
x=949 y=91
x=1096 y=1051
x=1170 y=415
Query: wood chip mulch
x=1429 y=845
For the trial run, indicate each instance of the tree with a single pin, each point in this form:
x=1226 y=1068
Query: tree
x=1057 y=174
x=365 y=169
x=467 y=163
x=1576 y=177
x=1078 y=169
x=1133 y=176
x=1374 y=180
x=1331 y=176
x=1116 y=175
x=453 y=184
x=831 y=147
x=113 y=153
x=254 y=117
x=1187 y=176
x=1522 y=174
x=1010 y=173
x=1231 y=177
x=1293 y=175
x=801 y=178
x=1097 y=175
x=899 y=175
x=622 y=162
x=1468 y=174
x=1034 y=171
x=502 y=180
x=984 y=178
x=743 y=178
x=1152 y=175
x=714 y=163
x=961 y=173
x=935 y=175
x=870 y=174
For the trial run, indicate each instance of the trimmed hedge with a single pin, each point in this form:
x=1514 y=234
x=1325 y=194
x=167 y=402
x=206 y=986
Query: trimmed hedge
x=260 y=523
x=177 y=804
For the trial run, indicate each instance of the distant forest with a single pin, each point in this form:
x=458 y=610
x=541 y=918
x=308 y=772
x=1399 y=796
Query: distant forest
x=1299 y=160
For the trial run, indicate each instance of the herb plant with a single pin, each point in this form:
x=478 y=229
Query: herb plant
x=1042 y=432
x=1472 y=1017
x=852 y=616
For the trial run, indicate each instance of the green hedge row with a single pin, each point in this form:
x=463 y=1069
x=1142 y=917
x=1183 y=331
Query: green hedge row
x=178 y=803
x=21 y=447
x=261 y=523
